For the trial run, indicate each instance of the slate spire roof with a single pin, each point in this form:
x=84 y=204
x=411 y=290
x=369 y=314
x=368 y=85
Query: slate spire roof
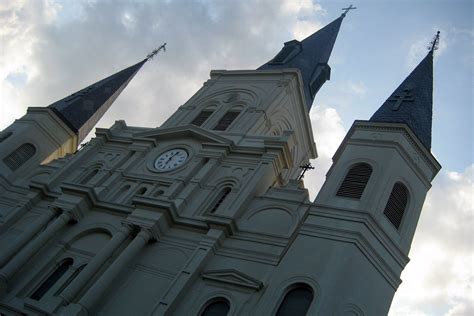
x=311 y=57
x=83 y=109
x=412 y=102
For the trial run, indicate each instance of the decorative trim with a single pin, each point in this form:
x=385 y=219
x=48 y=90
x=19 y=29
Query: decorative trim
x=233 y=277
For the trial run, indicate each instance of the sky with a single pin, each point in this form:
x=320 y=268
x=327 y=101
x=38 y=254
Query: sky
x=50 y=49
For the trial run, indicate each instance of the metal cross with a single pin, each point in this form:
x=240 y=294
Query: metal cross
x=399 y=99
x=347 y=10
x=305 y=168
x=434 y=43
x=156 y=51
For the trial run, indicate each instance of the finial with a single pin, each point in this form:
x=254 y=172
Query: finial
x=434 y=43
x=347 y=10
x=156 y=51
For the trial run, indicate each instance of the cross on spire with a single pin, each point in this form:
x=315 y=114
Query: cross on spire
x=305 y=168
x=434 y=43
x=156 y=51
x=405 y=96
x=346 y=10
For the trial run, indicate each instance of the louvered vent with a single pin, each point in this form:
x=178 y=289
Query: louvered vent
x=201 y=118
x=21 y=155
x=396 y=205
x=355 y=182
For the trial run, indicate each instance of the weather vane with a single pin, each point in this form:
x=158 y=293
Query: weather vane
x=305 y=168
x=434 y=43
x=156 y=51
x=347 y=10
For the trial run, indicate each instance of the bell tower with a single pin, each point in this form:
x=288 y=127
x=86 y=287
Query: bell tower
x=47 y=133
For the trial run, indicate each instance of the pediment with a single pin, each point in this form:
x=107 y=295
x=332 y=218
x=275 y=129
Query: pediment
x=234 y=277
x=184 y=131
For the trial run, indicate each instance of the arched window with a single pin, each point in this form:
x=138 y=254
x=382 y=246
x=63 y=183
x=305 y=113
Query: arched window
x=297 y=301
x=21 y=155
x=226 y=120
x=89 y=176
x=216 y=307
x=397 y=203
x=52 y=279
x=202 y=117
x=142 y=191
x=355 y=181
x=70 y=279
x=220 y=198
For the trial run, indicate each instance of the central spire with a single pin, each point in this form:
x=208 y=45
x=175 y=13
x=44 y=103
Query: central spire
x=310 y=57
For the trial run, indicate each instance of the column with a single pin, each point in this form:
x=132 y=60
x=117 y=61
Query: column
x=26 y=236
x=191 y=270
x=30 y=250
x=94 y=265
x=94 y=294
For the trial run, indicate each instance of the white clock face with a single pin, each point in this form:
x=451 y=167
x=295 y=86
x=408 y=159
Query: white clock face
x=171 y=159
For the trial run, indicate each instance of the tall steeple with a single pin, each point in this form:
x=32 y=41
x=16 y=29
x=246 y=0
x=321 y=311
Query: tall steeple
x=310 y=56
x=83 y=109
x=412 y=102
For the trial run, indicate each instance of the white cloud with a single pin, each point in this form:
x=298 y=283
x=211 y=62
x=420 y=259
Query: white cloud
x=356 y=88
x=328 y=134
x=440 y=275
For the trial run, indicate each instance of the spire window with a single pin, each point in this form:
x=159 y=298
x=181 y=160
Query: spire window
x=321 y=73
x=226 y=120
x=21 y=155
x=355 y=181
x=290 y=50
x=217 y=307
x=296 y=301
x=202 y=117
x=396 y=204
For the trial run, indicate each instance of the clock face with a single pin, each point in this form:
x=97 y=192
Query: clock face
x=171 y=159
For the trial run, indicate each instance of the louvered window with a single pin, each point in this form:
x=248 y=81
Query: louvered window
x=52 y=279
x=221 y=197
x=396 y=205
x=296 y=302
x=355 y=181
x=21 y=155
x=219 y=307
x=226 y=120
x=201 y=118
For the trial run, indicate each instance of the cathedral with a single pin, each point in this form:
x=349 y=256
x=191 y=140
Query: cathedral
x=208 y=214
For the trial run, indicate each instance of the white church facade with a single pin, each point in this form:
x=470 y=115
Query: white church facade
x=207 y=214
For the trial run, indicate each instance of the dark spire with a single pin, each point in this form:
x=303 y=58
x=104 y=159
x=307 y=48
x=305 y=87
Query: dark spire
x=83 y=109
x=311 y=57
x=412 y=102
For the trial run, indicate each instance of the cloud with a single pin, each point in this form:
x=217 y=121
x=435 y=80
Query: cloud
x=440 y=275
x=328 y=133
x=357 y=88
